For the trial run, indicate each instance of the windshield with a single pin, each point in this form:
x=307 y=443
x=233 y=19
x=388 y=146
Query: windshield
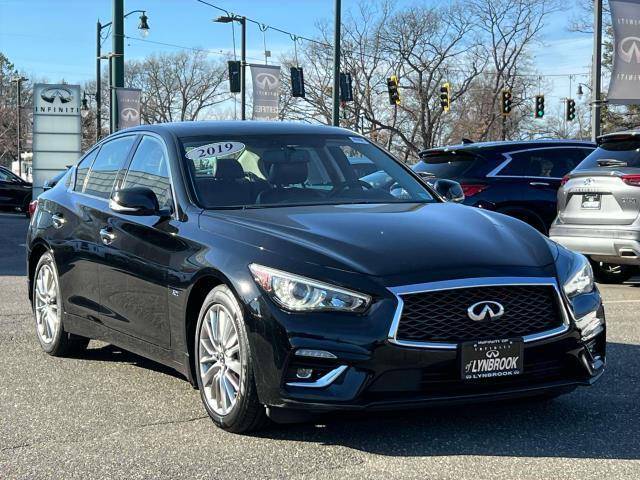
x=618 y=153
x=445 y=165
x=284 y=170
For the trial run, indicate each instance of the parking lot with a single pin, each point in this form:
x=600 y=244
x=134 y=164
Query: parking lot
x=112 y=414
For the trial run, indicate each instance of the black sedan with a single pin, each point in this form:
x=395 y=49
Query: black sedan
x=15 y=193
x=252 y=259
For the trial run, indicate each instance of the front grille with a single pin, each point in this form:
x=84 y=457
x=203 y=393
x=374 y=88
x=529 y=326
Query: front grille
x=441 y=316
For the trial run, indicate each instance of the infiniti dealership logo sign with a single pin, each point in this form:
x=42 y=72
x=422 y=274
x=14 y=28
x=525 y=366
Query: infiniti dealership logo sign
x=61 y=94
x=629 y=49
x=267 y=81
x=130 y=114
x=486 y=310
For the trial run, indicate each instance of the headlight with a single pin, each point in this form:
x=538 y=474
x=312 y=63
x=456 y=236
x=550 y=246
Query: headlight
x=580 y=277
x=301 y=294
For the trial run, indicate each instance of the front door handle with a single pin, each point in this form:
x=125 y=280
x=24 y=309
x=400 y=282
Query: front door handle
x=539 y=184
x=57 y=220
x=107 y=235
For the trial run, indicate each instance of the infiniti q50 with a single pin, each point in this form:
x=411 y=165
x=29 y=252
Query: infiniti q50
x=252 y=259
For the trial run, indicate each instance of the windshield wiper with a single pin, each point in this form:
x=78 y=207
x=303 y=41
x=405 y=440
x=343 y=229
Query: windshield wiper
x=611 y=162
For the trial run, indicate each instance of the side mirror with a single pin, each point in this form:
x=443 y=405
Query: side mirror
x=140 y=201
x=450 y=190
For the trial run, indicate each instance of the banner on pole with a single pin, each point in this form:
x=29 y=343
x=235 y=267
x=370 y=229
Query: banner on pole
x=266 y=91
x=57 y=131
x=128 y=107
x=624 y=88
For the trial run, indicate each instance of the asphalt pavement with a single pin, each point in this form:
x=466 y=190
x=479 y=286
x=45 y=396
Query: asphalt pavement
x=112 y=414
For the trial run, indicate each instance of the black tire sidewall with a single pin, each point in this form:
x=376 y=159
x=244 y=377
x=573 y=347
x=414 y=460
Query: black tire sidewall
x=224 y=296
x=54 y=346
x=604 y=276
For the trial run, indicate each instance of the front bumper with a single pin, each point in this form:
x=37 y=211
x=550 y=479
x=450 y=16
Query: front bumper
x=601 y=244
x=371 y=372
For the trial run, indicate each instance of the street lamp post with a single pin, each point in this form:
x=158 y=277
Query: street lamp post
x=18 y=80
x=336 y=64
x=243 y=58
x=144 y=31
x=596 y=70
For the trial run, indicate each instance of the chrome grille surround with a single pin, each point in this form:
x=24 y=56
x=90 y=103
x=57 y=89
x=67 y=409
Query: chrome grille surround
x=471 y=283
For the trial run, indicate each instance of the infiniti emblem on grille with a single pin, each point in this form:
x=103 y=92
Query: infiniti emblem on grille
x=481 y=310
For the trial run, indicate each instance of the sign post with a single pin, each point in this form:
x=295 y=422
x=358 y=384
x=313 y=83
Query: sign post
x=57 y=131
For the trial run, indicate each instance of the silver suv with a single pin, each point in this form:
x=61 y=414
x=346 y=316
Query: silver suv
x=599 y=207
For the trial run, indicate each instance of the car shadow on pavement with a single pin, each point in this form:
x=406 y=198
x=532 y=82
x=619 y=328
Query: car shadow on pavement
x=597 y=422
x=111 y=353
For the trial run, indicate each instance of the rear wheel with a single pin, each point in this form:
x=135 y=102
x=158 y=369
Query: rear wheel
x=612 y=273
x=225 y=368
x=47 y=309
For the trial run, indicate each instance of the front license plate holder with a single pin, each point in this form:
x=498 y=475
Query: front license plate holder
x=487 y=359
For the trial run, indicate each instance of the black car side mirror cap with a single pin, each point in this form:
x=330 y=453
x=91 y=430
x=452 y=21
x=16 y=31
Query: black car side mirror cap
x=140 y=201
x=449 y=190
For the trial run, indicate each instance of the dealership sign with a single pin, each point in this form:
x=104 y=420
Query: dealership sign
x=57 y=131
x=624 y=88
x=128 y=107
x=266 y=91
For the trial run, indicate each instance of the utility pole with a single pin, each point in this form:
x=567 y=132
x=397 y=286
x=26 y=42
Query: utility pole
x=98 y=84
x=243 y=69
x=117 y=70
x=19 y=81
x=336 y=64
x=596 y=71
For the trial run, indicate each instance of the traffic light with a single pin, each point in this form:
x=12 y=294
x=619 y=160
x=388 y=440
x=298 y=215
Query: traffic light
x=507 y=100
x=571 y=109
x=392 y=86
x=445 y=97
x=346 y=89
x=539 y=112
x=297 y=82
x=234 y=76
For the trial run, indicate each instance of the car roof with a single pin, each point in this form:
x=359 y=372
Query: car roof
x=238 y=127
x=506 y=146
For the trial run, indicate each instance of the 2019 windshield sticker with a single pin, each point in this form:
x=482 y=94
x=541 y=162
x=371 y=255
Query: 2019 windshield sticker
x=218 y=149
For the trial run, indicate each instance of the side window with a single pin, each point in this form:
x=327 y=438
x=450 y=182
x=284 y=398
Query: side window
x=83 y=168
x=4 y=176
x=109 y=161
x=149 y=169
x=544 y=162
x=516 y=167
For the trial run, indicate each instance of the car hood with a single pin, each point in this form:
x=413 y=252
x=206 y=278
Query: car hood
x=440 y=240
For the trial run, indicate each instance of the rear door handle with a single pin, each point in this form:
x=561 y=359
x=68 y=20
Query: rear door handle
x=57 y=220
x=539 y=184
x=107 y=235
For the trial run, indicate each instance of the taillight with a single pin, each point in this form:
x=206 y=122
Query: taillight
x=633 y=180
x=471 y=189
x=33 y=206
x=564 y=180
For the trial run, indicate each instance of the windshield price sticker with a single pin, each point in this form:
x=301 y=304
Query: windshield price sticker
x=218 y=149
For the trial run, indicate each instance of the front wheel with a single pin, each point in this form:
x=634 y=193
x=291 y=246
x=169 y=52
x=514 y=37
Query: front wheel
x=225 y=368
x=47 y=309
x=612 y=273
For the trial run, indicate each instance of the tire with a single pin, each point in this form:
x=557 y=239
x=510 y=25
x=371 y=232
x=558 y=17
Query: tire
x=612 y=273
x=53 y=338
x=223 y=364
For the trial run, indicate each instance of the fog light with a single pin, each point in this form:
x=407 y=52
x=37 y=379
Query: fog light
x=589 y=325
x=304 y=373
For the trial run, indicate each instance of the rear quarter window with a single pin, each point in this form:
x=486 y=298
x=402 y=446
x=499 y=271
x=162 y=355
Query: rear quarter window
x=447 y=165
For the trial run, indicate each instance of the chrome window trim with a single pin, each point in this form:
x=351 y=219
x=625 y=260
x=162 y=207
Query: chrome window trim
x=324 y=381
x=495 y=173
x=567 y=316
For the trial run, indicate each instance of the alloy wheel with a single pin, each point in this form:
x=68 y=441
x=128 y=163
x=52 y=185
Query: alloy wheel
x=219 y=359
x=47 y=309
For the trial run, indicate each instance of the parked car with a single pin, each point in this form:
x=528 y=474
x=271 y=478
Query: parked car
x=15 y=193
x=204 y=246
x=598 y=207
x=519 y=179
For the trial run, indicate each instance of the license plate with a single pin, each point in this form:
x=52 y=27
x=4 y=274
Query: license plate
x=491 y=358
x=591 y=201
